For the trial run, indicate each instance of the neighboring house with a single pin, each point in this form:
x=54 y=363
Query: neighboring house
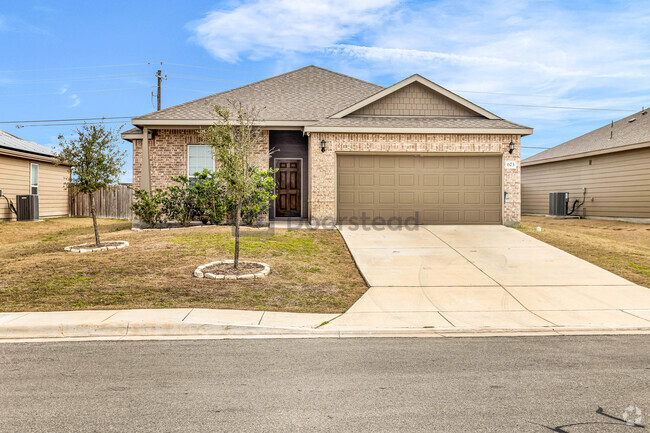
x=29 y=168
x=612 y=163
x=348 y=149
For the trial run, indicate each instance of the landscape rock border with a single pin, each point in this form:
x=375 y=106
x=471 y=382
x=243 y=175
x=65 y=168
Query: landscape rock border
x=84 y=248
x=198 y=272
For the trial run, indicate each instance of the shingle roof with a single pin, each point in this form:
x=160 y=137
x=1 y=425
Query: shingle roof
x=417 y=122
x=9 y=141
x=310 y=93
x=624 y=133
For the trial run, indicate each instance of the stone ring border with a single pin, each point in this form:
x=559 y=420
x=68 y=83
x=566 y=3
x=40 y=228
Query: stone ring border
x=198 y=272
x=84 y=248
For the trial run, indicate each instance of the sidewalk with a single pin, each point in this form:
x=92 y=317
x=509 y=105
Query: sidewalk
x=188 y=323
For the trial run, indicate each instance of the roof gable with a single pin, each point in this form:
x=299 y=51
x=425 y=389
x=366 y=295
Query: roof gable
x=415 y=96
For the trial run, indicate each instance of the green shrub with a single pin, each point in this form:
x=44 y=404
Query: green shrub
x=147 y=206
x=209 y=193
x=259 y=202
x=179 y=201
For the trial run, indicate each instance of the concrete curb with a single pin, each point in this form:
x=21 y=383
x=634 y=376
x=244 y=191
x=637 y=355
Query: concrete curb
x=168 y=330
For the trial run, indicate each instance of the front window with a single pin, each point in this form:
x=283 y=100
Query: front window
x=199 y=157
x=34 y=179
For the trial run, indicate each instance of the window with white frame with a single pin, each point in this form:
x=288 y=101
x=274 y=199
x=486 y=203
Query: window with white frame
x=199 y=157
x=33 y=179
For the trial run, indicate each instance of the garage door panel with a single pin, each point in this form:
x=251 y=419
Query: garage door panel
x=407 y=198
x=431 y=180
x=387 y=180
x=450 y=198
x=366 y=197
x=472 y=180
x=429 y=198
x=473 y=198
x=366 y=179
x=429 y=189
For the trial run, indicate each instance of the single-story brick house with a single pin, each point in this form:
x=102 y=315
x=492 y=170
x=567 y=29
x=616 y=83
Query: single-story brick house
x=29 y=168
x=347 y=149
x=607 y=169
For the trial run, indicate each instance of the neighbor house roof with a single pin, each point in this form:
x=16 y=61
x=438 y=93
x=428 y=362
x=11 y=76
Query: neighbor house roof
x=11 y=142
x=321 y=100
x=628 y=133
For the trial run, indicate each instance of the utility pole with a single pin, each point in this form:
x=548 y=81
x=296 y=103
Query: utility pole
x=159 y=77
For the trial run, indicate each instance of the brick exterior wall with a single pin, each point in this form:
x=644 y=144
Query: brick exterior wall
x=168 y=155
x=415 y=100
x=322 y=165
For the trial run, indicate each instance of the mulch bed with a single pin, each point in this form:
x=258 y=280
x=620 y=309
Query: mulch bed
x=228 y=269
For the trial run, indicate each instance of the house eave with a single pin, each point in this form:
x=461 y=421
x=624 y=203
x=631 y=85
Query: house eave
x=378 y=130
x=198 y=123
x=32 y=156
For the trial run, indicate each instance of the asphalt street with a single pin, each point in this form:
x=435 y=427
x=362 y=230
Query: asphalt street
x=522 y=384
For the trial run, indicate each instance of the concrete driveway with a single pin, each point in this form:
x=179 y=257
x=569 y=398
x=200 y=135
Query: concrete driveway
x=482 y=276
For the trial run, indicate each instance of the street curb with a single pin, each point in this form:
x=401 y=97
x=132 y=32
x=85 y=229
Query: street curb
x=167 y=330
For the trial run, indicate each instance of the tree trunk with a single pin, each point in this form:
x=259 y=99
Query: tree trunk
x=93 y=213
x=237 y=222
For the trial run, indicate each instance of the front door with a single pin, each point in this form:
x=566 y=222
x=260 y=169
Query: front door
x=287 y=178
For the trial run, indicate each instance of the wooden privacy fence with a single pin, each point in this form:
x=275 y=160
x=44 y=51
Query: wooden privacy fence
x=111 y=203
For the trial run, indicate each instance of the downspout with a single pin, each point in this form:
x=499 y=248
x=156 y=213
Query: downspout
x=145 y=181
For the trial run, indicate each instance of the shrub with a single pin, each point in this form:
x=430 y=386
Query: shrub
x=209 y=193
x=179 y=201
x=147 y=206
x=259 y=201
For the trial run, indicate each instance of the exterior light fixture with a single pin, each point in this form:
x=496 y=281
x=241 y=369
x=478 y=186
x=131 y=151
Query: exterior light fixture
x=512 y=147
x=322 y=145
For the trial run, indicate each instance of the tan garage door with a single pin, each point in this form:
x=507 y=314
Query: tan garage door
x=426 y=189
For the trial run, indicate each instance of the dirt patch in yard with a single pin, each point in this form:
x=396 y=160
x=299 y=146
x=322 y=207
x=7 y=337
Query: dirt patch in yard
x=620 y=247
x=312 y=270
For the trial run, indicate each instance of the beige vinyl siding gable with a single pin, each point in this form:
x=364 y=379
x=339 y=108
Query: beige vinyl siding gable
x=618 y=184
x=15 y=178
x=415 y=100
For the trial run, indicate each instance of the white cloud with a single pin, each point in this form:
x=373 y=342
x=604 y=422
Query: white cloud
x=579 y=54
x=266 y=28
x=76 y=100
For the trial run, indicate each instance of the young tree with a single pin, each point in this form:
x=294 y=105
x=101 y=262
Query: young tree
x=235 y=140
x=96 y=161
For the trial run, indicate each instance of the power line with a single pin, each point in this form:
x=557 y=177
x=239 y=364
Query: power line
x=503 y=94
x=194 y=77
x=91 y=78
x=556 y=107
x=534 y=147
x=64 y=124
x=76 y=67
x=78 y=91
x=216 y=69
x=68 y=120
x=188 y=90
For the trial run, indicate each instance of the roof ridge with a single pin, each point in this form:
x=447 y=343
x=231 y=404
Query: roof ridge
x=257 y=82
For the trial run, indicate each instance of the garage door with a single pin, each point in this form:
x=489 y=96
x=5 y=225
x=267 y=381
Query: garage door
x=430 y=189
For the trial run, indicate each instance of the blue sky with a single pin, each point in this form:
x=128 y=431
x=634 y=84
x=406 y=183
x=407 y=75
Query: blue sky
x=503 y=55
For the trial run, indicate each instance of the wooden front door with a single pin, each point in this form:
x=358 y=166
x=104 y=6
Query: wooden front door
x=287 y=178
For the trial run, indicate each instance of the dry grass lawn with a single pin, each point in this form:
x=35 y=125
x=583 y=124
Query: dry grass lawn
x=620 y=247
x=311 y=271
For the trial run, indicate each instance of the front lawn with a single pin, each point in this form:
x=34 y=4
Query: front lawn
x=620 y=247
x=311 y=270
